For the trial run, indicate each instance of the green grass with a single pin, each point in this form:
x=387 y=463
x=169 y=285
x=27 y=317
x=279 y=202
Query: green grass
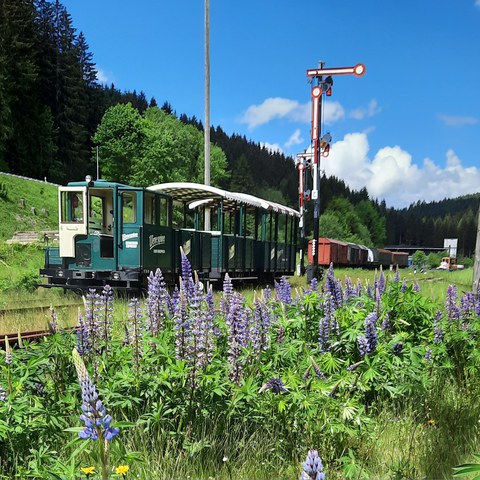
x=40 y=196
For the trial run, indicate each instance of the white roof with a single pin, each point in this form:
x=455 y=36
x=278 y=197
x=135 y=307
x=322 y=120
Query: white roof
x=196 y=194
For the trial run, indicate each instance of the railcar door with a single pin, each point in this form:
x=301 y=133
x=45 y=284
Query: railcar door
x=129 y=228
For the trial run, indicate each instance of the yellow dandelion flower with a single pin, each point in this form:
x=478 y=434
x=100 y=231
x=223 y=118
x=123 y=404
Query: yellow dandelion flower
x=431 y=422
x=88 y=471
x=122 y=470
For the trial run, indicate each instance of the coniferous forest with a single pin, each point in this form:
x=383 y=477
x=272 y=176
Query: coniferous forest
x=54 y=113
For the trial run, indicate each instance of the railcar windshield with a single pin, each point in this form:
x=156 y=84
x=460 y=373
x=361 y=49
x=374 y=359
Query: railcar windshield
x=71 y=207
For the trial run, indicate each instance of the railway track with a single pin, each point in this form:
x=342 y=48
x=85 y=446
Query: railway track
x=32 y=307
x=13 y=338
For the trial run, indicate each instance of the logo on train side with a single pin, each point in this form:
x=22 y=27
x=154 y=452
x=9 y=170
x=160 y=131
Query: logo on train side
x=128 y=236
x=154 y=241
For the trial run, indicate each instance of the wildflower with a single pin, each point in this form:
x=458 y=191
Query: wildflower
x=334 y=287
x=403 y=288
x=225 y=459
x=354 y=366
x=362 y=346
x=94 y=413
x=236 y=321
x=156 y=303
x=350 y=292
x=53 y=324
x=275 y=385
x=320 y=375
x=8 y=352
x=451 y=307
x=428 y=355
x=381 y=284
x=328 y=324
x=88 y=471
x=371 y=332
x=3 y=394
x=386 y=323
x=416 y=286
x=312 y=467
x=82 y=338
x=397 y=348
x=431 y=422
x=284 y=291
x=122 y=470
x=135 y=331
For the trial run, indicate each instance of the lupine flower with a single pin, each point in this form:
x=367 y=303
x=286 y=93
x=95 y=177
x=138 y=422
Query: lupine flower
x=280 y=335
x=397 y=348
x=263 y=319
x=416 y=286
x=349 y=292
x=187 y=277
x=428 y=355
x=82 y=339
x=227 y=295
x=284 y=291
x=371 y=332
x=53 y=323
x=381 y=284
x=39 y=388
x=467 y=305
x=354 y=366
x=275 y=385
x=312 y=467
x=334 y=287
x=362 y=346
x=3 y=394
x=396 y=278
x=8 y=352
x=105 y=307
x=319 y=374
x=156 y=303
x=181 y=327
x=437 y=328
x=94 y=413
x=328 y=324
x=403 y=289
x=386 y=323
x=369 y=291
x=306 y=375
x=451 y=307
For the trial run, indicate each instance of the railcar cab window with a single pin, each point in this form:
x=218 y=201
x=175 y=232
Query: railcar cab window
x=129 y=210
x=95 y=212
x=149 y=211
x=72 y=207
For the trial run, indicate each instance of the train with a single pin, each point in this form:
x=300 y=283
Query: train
x=344 y=254
x=115 y=234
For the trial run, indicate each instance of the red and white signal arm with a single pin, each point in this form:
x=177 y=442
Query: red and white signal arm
x=358 y=70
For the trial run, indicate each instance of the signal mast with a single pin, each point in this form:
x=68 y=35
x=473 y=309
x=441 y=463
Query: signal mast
x=320 y=146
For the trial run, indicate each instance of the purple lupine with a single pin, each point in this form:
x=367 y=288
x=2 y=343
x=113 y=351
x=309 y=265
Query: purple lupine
x=328 y=324
x=275 y=385
x=312 y=467
x=403 y=288
x=318 y=373
x=280 y=338
x=53 y=323
x=156 y=303
x=362 y=346
x=467 y=305
x=8 y=352
x=227 y=295
x=334 y=287
x=359 y=288
x=416 y=286
x=354 y=366
x=236 y=323
x=429 y=355
x=382 y=282
x=451 y=307
x=82 y=338
x=181 y=327
x=135 y=331
x=105 y=321
x=437 y=328
x=283 y=290
x=187 y=277
x=396 y=278
x=93 y=328
x=386 y=324
x=369 y=291
x=263 y=319
x=349 y=292
x=3 y=394
x=371 y=332
x=94 y=416
x=397 y=348
x=173 y=301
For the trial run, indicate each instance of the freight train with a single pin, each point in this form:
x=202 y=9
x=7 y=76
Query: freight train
x=115 y=234
x=344 y=254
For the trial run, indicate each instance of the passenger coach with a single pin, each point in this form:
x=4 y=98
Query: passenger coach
x=116 y=234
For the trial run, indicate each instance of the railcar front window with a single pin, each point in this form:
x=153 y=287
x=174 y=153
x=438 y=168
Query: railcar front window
x=129 y=214
x=71 y=207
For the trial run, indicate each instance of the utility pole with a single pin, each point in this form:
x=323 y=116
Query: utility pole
x=321 y=145
x=207 y=107
x=476 y=265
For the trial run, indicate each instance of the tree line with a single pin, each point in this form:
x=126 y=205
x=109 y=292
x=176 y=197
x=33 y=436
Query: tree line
x=54 y=113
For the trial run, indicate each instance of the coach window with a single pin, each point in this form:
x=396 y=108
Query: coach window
x=164 y=213
x=129 y=202
x=281 y=228
x=149 y=209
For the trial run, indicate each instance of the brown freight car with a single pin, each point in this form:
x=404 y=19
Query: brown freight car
x=329 y=251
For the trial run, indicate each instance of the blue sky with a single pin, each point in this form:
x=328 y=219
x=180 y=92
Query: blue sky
x=408 y=129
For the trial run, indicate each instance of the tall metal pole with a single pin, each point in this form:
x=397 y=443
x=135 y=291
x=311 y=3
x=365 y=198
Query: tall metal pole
x=207 y=106
x=476 y=266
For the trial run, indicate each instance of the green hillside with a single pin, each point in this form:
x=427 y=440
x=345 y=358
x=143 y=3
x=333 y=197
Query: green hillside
x=26 y=205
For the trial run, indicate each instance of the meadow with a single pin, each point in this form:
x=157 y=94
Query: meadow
x=377 y=372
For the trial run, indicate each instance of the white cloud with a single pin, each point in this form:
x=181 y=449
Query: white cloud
x=273 y=108
x=477 y=3
x=392 y=175
x=458 y=121
x=272 y=147
x=102 y=76
x=365 y=112
x=295 y=139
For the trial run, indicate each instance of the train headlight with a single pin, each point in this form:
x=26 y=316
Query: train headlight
x=116 y=276
x=60 y=273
